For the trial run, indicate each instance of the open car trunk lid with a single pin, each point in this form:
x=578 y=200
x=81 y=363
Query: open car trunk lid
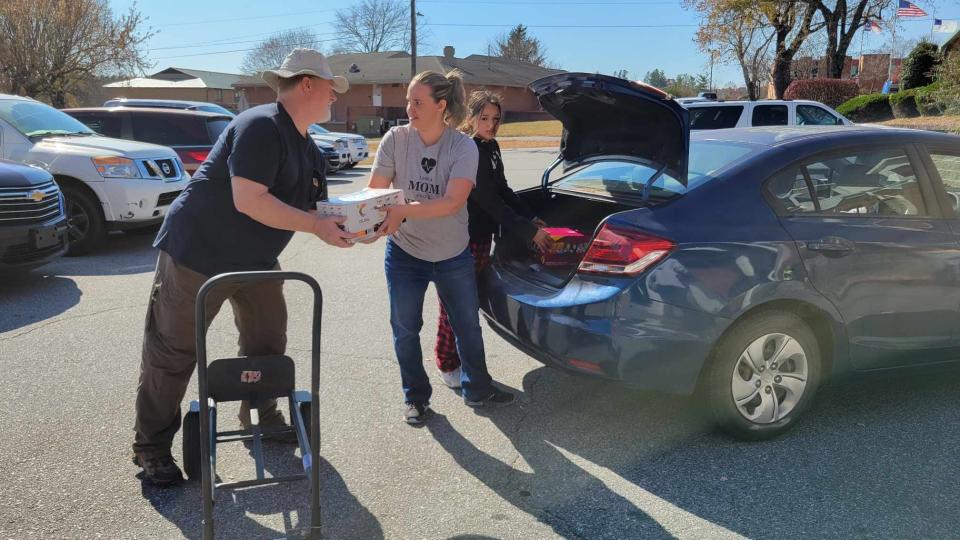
x=607 y=116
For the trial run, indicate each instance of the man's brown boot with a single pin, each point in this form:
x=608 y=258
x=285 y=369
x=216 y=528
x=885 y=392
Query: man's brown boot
x=161 y=471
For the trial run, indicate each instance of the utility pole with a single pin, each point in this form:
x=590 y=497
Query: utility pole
x=413 y=38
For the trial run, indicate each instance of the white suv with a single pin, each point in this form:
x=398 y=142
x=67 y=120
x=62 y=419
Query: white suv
x=108 y=184
x=771 y=112
x=355 y=146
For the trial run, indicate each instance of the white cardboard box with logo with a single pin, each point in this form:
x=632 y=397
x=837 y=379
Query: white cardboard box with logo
x=361 y=209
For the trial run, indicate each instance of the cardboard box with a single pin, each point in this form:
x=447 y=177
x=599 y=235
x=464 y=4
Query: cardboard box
x=567 y=247
x=361 y=209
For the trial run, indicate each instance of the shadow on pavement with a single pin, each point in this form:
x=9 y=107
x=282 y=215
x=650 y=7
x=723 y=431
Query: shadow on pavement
x=342 y=514
x=121 y=254
x=32 y=297
x=873 y=458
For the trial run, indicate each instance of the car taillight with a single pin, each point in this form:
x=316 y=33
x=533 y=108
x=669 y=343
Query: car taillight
x=198 y=156
x=620 y=251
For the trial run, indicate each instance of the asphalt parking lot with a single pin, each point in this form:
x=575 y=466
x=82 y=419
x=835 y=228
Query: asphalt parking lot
x=576 y=458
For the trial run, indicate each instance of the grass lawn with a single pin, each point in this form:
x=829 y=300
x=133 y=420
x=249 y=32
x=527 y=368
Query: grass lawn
x=545 y=128
x=540 y=130
x=949 y=124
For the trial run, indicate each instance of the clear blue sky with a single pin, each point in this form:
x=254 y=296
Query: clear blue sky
x=661 y=36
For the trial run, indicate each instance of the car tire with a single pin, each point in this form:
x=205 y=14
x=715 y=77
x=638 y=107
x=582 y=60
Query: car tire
x=191 y=445
x=762 y=375
x=88 y=229
x=350 y=166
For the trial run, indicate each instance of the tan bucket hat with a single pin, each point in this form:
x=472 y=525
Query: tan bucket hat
x=305 y=62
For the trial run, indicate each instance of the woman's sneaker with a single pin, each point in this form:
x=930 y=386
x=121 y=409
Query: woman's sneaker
x=451 y=378
x=497 y=398
x=416 y=413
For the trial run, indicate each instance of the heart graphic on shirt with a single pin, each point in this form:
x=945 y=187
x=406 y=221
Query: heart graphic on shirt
x=428 y=164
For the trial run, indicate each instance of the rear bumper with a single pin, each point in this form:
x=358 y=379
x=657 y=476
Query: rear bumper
x=17 y=251
x=602 y=328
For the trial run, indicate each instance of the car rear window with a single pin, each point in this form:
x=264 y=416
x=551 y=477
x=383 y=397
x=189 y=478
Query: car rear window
x=108 y=124
x=863 y=182
x=625 y=179
x=770 y=115
x=715 y=117
x=170 y=129
x=215 y=127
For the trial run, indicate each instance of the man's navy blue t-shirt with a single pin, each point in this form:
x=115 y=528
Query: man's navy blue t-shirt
x=203 y=229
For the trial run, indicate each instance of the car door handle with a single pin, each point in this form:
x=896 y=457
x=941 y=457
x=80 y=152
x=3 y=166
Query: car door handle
x=831 y=245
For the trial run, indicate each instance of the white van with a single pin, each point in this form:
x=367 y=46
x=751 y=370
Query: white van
x=771 y=112
x=108 y=184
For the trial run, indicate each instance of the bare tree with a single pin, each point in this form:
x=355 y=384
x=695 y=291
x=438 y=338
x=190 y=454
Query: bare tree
x=843 y=19
x=51 y=47
x=269 y=54
x=376 y=26
x=519 y=45
x=736 y=33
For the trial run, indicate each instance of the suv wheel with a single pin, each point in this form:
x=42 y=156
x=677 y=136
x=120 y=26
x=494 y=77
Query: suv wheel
x=762 y=375
x=87 y=226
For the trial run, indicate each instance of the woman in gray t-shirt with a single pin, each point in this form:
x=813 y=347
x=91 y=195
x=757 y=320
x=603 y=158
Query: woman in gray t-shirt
x=436 y=166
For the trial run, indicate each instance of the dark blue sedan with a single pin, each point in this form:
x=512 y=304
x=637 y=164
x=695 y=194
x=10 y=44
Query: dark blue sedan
x=747 y=265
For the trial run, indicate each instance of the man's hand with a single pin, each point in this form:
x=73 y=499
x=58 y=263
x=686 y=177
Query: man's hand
x=542 y=240
x=395 y=217
x=328 y=229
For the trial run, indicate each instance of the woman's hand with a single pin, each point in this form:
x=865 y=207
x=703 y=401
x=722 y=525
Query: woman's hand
x=395 y=217
x=541 y=240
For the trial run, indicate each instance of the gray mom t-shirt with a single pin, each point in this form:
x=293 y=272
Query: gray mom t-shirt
x=422 y=172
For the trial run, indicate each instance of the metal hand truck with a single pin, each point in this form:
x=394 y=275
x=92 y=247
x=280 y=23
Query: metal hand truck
x=252 y=378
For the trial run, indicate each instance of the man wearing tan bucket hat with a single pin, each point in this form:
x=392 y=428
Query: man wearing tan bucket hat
x=256 y=188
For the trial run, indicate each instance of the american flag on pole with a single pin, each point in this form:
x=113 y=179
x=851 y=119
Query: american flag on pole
x=871 y=26
x=909 y=9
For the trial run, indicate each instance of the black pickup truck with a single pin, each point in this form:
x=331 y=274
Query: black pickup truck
x=33 y=225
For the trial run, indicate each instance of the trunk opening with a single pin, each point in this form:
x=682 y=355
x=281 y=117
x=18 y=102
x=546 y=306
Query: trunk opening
x=558 y=210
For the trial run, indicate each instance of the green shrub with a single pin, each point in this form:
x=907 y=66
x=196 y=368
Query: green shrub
x=919 y=65
x=947 y=94
x=867 y=108
x=904 y=104
x=927 y=104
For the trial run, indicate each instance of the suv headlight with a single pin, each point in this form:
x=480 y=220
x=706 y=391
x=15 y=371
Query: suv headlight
x=116 y=167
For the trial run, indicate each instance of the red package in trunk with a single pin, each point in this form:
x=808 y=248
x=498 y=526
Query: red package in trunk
x=567 y=247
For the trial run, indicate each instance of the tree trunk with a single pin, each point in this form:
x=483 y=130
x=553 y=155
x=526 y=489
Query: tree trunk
x=781 y=75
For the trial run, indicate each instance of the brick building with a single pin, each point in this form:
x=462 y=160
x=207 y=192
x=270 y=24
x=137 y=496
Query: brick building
x=378 y=85
x=183 y=84
x=869 y=70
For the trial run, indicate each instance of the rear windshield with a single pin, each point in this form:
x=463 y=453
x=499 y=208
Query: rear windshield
x=171 y=130
x=625 y=179
x=215 y=127
x=715 y=117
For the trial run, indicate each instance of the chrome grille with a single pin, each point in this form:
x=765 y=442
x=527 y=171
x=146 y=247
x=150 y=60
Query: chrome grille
x=29 y=205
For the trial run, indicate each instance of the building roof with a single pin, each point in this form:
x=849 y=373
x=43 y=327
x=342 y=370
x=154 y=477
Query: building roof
x=952 y=42
x=394 y=67
x=173 y=77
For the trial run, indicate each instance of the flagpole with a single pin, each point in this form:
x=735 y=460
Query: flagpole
x=893 y=43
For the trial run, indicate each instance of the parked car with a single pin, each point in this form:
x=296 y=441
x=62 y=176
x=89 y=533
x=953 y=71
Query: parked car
x=771 y=112
x=747 y=265
x=190 y=133
x=169 y=104
x=355 y=146
x=107 y=183
x=330 y=155
x=33 y=224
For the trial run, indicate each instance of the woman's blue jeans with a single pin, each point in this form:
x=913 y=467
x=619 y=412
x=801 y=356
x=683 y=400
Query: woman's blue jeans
x=456 y=283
